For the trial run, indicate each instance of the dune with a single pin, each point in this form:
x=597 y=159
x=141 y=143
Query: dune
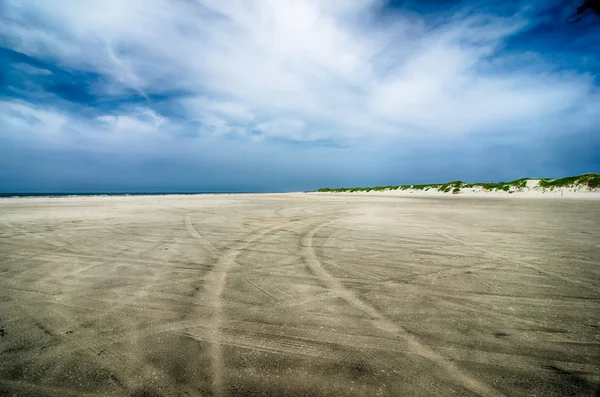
x=581 y=186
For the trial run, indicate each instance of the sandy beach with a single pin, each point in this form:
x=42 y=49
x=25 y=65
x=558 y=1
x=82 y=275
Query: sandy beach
x=299 y=294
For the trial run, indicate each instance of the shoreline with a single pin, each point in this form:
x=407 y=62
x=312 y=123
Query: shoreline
x=118 y=195
x=568 y=195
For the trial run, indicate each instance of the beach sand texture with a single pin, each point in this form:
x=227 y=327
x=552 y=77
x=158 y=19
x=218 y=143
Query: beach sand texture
x=299 y=294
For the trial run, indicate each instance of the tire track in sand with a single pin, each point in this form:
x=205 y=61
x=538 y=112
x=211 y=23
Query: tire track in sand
x=381 y=321
x=495 y=254
x=216 y=284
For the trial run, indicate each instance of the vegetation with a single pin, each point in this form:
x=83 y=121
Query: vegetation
x=591 y=180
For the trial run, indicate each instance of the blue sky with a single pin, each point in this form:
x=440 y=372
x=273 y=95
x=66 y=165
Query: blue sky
x=210 y=95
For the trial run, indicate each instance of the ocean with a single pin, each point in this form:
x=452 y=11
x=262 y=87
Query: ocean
x=101 y=194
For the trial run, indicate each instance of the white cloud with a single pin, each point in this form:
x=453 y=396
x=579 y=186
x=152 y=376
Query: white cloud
x=139 y=129
x=201 y=107
x=22 y=116
x=300 y=69
x=140 y=120
x=32 y=69
x=290 y=129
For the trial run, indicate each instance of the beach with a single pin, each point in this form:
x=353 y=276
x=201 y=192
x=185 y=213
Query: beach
x=321 y=294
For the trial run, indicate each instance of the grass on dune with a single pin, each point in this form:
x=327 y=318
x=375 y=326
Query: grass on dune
x=591 y=180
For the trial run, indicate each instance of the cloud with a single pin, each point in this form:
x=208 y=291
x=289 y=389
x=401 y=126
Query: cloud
x=144 y=120
x=32 y=69
x=304 y=60
x=43 y=127
x=357 y=73
x=291 y=129
x=27 y=119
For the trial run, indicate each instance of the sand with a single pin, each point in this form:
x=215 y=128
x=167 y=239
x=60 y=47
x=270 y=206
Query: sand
x=299 y=294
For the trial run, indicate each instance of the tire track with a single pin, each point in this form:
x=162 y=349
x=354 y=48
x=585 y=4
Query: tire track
x=359 y=274
x=270 y=342
x=269 y=289
x=22 y=388
x=492 y=253
x=381 y=321
x=215 y=282
x=51 y=230
x=302 y=302
x=102 y=259
x=477 y=310
x=61 y=238
x=90 y=346
x=453 y=271
x=527 y=363
x=116 y=362
x=18 y=231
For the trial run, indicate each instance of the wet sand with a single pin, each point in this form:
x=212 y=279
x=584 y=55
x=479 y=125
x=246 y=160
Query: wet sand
x=320 y=295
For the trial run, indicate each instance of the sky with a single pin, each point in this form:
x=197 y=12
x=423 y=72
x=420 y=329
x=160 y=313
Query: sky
x=272 y=95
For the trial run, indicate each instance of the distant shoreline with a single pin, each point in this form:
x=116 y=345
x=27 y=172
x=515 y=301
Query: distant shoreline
x=64 y=195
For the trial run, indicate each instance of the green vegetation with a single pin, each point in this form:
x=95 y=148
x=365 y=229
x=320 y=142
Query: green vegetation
x=591 y=180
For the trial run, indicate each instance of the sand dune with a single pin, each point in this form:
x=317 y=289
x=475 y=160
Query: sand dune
x=578 y=186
